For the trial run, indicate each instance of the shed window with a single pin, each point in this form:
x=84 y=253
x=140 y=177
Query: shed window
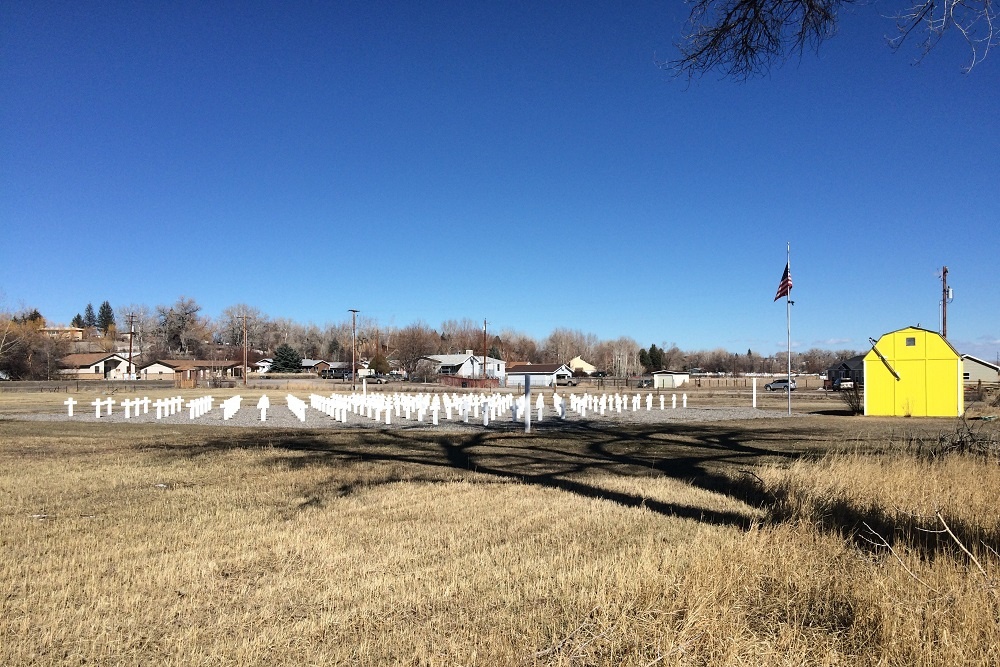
x=965 y=376
x=910 y=342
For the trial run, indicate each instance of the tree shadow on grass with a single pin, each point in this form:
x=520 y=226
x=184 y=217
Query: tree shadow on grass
x=575 y=456
x=569 y=456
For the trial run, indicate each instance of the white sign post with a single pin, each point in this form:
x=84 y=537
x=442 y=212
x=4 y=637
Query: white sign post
x=527 y=403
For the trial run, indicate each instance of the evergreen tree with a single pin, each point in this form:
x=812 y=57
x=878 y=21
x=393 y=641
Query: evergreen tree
x=78 y=322
x=655 y=358
x=105 y=317
x=286 y=360
x=89 y=319
x=644 y=360
x=379 y=364
x=31 y=317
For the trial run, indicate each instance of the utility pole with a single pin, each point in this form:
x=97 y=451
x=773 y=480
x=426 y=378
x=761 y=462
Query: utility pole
x=944 y=302
x=354 y=347
x=244 y=318
x=131 y=333
x=484 y=353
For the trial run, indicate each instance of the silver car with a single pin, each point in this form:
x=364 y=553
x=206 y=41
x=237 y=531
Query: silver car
x=783 y=384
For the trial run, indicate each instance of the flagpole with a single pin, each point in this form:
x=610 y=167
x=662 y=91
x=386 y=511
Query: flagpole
x=788 y=324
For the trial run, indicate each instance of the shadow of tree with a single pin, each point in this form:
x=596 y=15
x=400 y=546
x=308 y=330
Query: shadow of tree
x=568 y=456
x=574 y=456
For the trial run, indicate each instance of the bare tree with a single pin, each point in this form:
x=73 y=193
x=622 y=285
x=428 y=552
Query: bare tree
x=414 y=342
x=337 y=341
x=10 y=335
x=459 y=336
x=229 y=326
x=181 y=329
x=672 y=356
x=143 y=322
x=743 y=38
x=518 y=347
x=564 y=344
x=622 y=357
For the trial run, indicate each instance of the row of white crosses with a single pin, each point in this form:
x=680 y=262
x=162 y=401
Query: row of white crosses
x=198 y=407
x=381 y=407
x=297 y=406
x=164 y=407
x=616 y=403
x=230 y=407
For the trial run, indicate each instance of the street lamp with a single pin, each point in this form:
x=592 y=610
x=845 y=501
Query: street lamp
x=354 y=347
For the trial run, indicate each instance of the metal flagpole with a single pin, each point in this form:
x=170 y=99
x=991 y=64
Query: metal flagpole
x=788 y=324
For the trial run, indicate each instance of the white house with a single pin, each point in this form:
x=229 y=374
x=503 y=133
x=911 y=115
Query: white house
x=170 y=369
x=468 y=365
x=264 y=365
x=156 y=371
x=97 y=366
x=670 y=379
x=542 y=375
x=976 y=370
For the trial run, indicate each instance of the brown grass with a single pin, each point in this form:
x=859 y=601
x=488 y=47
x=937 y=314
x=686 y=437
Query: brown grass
x=147 y=544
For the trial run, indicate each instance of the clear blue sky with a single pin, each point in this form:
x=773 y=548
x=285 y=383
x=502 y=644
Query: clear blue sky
x=518 y=161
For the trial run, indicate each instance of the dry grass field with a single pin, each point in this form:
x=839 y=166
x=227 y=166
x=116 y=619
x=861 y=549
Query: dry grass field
x=812 y=540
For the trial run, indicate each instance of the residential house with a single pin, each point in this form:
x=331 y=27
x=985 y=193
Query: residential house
x=64 y=333
x=315 y=365
x=190 y=369
x=578 y=365
x=852 y=370
x=468 y=365
x=976 y=370
x=94 y=366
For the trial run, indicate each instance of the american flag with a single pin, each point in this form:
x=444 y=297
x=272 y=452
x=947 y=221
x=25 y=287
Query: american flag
x=785 y=286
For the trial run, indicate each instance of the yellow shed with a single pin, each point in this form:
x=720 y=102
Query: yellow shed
x=913 y=372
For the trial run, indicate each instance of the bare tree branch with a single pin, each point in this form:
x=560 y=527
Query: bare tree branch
x=743 y=38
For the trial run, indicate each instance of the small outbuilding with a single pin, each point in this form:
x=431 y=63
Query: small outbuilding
x=542 y=375
x=913 y=372
x=670 y=379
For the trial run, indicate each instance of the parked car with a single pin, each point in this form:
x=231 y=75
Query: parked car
x=843 y=383
x=642 y=384
x=784 y=384
x=377 y=379
x=566 y=381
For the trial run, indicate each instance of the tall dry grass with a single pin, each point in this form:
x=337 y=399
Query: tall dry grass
x=153 y=548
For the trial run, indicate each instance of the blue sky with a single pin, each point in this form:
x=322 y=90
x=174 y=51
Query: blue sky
x=527 y=163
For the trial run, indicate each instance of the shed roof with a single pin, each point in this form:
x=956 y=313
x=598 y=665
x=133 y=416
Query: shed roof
x=82 y=360
x=459 y=359
x=930 y=331
x=980 y=361
x=195 y=364
x=537 y=369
